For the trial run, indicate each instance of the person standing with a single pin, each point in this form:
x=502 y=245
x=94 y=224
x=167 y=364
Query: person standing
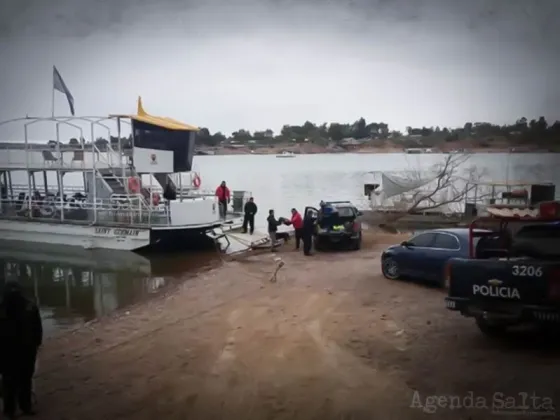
x=307 y=232
x=21 y=335
x=249 y=218
x=169 y=193
x=297 y=222
x=272 y=229
x=223 y=194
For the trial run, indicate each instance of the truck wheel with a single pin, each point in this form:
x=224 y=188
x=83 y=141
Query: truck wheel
x=357 y=243
x=390 y=269
x=490 y=329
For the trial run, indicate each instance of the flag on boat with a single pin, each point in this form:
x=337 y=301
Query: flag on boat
x=58 y=84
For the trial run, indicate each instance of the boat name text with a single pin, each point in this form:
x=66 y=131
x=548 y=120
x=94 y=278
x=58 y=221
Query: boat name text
x=116 y=232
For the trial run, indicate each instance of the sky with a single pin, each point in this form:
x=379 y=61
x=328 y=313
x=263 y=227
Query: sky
x=254 y=64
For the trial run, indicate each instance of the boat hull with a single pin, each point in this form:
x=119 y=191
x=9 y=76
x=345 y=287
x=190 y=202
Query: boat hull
x=143 y=240
x=88 y=237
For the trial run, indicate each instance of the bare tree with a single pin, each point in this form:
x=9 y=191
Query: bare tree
x=450 y=183
x=448 y=179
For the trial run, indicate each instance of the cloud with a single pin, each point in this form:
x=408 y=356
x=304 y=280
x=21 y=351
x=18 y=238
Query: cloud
x=262 y=64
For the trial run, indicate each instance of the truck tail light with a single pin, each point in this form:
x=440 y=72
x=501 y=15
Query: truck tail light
x=554 y=285
x=447 y=276
x=356 y=226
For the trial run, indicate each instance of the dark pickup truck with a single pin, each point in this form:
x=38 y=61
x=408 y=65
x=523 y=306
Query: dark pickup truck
x=338 y=224
x=512 y=277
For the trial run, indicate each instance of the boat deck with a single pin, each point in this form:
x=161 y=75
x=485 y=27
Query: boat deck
x=232 y=221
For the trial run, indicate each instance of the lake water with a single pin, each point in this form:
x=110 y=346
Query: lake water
x=280 y=183
x=75 y=288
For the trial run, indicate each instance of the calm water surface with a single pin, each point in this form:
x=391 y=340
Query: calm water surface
x=307 y=179
x=72 y=287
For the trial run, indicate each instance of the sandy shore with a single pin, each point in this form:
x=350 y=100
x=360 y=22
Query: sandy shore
x=331 y=339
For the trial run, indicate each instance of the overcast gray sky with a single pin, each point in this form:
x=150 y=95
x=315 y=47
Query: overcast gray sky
x=259 y=64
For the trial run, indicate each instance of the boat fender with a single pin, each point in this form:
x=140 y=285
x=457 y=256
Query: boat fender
x=155 y=199
x=197 y=181
x=134 y=184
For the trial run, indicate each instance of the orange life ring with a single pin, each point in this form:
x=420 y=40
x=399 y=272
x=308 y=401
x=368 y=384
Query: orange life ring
x=155 y=199
x=134 y=185
x=197 y=181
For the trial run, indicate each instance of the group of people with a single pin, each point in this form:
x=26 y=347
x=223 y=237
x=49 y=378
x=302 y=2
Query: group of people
x=304 y=227
x=21 y=335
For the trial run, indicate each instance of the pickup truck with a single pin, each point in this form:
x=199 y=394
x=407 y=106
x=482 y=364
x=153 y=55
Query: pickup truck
x=512 y=277
x=338 y=224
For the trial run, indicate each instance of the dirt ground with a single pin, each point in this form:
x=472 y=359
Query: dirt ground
x=330 y=339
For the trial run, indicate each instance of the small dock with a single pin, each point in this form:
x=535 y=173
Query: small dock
x=233 y=241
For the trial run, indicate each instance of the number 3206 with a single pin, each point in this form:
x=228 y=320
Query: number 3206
x=527 y=271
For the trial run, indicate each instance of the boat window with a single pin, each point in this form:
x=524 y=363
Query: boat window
x=446 y=241
x=424 y=240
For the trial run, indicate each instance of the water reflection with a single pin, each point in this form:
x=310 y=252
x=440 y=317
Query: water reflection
x=78 y=287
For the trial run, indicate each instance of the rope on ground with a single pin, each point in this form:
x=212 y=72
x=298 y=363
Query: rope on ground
x=279 y=264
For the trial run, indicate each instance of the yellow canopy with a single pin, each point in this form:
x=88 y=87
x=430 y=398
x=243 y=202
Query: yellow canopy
x=162 y=122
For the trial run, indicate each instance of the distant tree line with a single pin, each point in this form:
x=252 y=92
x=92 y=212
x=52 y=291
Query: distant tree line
x=523 y=131
x=536 y=132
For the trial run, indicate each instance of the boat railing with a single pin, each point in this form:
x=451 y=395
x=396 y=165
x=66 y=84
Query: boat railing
x=55 y=156
x=119 y=209
x=48 y=191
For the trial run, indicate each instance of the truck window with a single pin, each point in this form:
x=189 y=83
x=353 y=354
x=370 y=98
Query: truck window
x=422 y=240
x=446 y=241
x=548 y=231
x=538 y=241
x=345 y=211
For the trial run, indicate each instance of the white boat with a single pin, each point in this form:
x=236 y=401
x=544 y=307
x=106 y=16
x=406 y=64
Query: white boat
x=286 y=154
x=119 y=203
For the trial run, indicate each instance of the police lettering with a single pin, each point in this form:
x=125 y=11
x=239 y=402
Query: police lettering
x=494 y=291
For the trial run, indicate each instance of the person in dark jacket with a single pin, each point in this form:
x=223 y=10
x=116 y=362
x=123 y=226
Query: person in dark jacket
x=249 y=218
x=272 y=228
x=21 y=335
x=307 y=232
x=170 y=193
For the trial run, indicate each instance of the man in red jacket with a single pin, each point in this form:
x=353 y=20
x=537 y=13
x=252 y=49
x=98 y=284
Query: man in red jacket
x=222 y=192
x=297 y=222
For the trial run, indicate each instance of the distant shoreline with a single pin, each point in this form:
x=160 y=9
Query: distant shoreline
x=313 y=150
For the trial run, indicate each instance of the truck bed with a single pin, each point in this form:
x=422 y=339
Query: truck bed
x=519 y=289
